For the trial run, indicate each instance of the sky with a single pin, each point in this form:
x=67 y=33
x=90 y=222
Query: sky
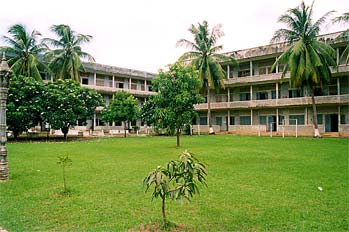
x=142 y=34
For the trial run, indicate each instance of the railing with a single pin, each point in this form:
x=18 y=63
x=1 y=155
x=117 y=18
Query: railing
x=112 y=90
x=331 y=99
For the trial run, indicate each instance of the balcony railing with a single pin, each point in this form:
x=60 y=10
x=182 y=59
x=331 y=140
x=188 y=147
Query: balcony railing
x=107 y=89
x=319 y=100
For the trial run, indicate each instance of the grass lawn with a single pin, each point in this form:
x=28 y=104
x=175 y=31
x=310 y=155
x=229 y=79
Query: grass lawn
x=254 y=184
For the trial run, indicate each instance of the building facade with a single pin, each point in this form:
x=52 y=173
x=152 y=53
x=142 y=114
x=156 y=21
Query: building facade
x=257 y=101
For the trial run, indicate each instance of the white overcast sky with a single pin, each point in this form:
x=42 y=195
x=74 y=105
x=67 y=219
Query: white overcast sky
x=142 y=34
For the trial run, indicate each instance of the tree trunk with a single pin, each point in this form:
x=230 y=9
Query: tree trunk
x=211 y=131
x=125 y=129
x=65 y=131
x=163 y=210
x=316 y=129
x=177 y=134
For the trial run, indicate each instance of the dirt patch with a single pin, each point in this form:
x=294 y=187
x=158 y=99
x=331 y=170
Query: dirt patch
x=157 y=228
x=3 y=230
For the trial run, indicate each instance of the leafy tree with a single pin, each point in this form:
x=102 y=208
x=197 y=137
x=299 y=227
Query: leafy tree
x=65 y=60
x=25 y=52
x=205 y=58
x=345 y=34
x=307 y=59
x=178 y=180
x=24 y=104
x=173 y=107
x=66 y=102
x=123 y=108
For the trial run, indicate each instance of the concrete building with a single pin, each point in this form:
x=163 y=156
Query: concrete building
x=257 y=101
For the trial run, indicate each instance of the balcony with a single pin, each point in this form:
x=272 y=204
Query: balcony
x=267 y=78
x=107 y=89
x=301 y=101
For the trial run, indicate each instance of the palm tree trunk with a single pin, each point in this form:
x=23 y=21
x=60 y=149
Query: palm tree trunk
x=209 y=122
x=316 y=129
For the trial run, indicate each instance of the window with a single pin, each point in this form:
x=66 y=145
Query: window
x=134 y=84
x=263 y=120
x=244 y=73
x=244 y=96
x=281 y=119
x=293 y=93
x=232 y=120
x=273 y=94
x=292 y=119
x=319 y=119
x=84 y=81
x=203 y=120
x=245 y=120
x=262 y=95
x=343 y=119
x=219 y=121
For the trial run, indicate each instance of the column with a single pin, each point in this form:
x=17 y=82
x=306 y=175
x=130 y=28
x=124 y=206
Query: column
x=277 y=90
x=94 y=79
x=339 y=118
x=228 y=100
x=277 y=119
x=337 y=57
x=251 y=117
x=228 y=121
x=129 y=83
x=277 y=66
x=94 y=120
x=228 y=71
x=251 y=68
x=145 y=85
x=113 y=84
x=251 y=93
x=306 y=116
x=338 y=86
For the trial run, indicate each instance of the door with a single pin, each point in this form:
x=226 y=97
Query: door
x=271 y=123
x=331 y=123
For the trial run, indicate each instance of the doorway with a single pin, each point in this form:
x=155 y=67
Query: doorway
x=331 y=123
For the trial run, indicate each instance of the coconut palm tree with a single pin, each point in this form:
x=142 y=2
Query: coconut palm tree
x=205 y=58
x=307 y=59
x=25 y=52
x=65 y=60
x=345 y=34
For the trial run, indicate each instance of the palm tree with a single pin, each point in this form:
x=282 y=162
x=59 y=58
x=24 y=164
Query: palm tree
x=205 y=58
x=345 y=34
x=65 y=60
x=25 y=52
x=307 y=59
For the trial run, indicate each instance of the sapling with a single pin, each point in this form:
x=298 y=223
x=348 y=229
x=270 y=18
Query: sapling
x=64 y=161
x=178 y=180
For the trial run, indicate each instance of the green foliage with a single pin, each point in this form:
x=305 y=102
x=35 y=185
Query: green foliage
x=64 y=161
x=178 y=180
x=65 y=59
x=123 y=108
x=24 y=104
x=25 y=52
x=205 y=58
x=66 y=102
x=173 y=106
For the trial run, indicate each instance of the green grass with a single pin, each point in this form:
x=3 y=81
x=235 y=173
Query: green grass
x=254 y=184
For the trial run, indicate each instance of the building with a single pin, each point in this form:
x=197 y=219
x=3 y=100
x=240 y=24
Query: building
x=257 y=101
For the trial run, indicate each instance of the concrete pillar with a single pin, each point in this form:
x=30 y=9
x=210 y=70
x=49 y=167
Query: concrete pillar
x=251 y=93
x=113 y=84
x=277 y=90
x=338 y=86
x=145 y=85
x=306 y=116
x=251 y=117
x=228 y=120
x=277 y=119
x=228 y=71
x=337 y=57
x=228 y=100
x=94 y=120
x=94 y=79
x=129 y=83
x=277 y=66
x=339 y=118
x=251 y=68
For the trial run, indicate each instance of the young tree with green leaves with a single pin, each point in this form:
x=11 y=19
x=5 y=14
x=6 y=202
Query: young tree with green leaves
x=307 y=59
x=173 y=106
x=123 y=108
x=65 y=59
x=25 y=52
x=205 y=58
x=66 y=102
x=64 y=161
x=178 y=180
x=24 y=104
